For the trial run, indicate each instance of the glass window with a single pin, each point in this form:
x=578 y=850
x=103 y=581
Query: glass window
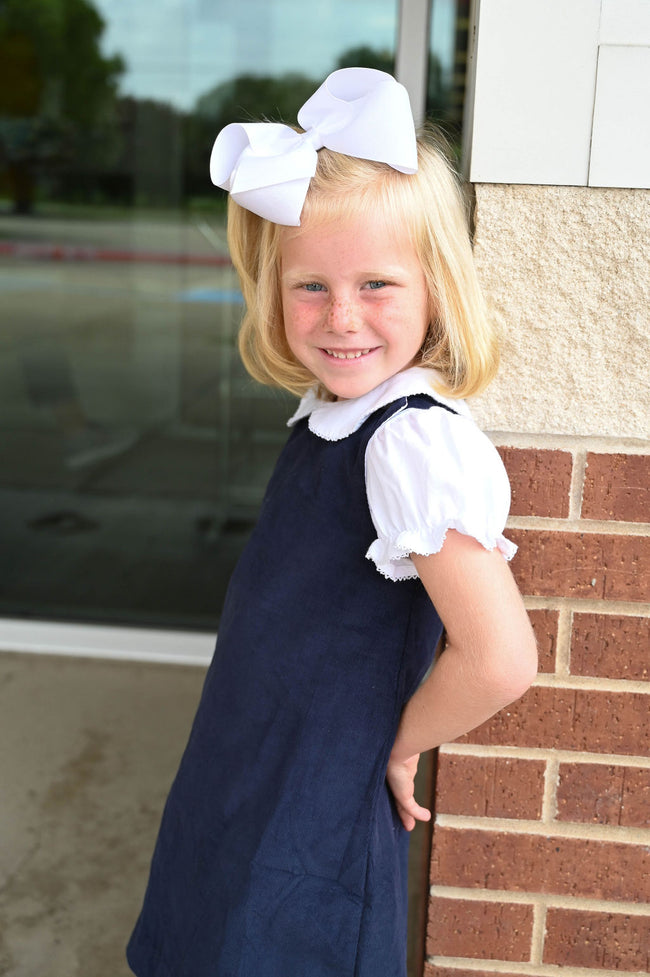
x=134 y=448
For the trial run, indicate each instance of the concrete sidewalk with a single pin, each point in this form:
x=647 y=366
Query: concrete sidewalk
x=87 y=752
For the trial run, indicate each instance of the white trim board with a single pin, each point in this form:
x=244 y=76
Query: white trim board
x=560 y=96
x=99 y=641
x=620 y=148
x=625 y=22
x=534 y=96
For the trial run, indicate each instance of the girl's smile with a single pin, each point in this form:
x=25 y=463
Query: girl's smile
x=347 y=354
x=354 y=301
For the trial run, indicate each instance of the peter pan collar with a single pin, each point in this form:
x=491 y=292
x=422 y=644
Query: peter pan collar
x=335 y=420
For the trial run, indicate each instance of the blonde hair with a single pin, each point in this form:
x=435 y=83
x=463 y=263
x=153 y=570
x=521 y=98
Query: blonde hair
x=461 y=342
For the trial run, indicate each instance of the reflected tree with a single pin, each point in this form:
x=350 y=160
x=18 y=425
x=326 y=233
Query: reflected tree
x=367 y=57
x=245 y=98
x=63 y=122
x=253 y=97
x=148 y=171
x=57 y=91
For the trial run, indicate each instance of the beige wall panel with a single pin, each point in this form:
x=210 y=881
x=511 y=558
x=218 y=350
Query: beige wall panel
x=567 y=273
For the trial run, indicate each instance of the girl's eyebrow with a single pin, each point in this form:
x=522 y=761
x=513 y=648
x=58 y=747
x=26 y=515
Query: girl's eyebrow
x=388 y=271
x=300 y=276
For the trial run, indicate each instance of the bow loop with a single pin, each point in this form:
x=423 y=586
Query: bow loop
x=267 y=166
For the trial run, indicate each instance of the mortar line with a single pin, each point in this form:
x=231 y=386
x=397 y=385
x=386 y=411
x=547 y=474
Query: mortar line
x=588 y=527
x=538 y=934
x=566 y=830
x=576 y=488
x=563 y=645
x=549 y=800
x=509 y=967
x=570 y=442
x=469 y=964
x=587 y=605
x=551 y=900
x=589 y=683
x=540 y=753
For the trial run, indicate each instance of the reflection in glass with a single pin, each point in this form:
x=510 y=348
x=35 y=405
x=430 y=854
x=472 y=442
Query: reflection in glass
x=448 y=39
x=133 y=448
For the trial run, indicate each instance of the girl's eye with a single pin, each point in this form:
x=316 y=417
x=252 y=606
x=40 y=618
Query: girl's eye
x=376 y=284
x=313 y=287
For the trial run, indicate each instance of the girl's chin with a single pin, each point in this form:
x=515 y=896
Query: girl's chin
x=352 y=388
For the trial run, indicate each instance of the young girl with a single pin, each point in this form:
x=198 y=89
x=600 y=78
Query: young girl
x=282 y=851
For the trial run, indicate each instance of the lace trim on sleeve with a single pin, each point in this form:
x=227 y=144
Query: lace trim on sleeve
x=392 y=556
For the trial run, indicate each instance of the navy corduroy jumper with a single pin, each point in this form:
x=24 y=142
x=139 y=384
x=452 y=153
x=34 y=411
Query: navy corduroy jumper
x=280 y=852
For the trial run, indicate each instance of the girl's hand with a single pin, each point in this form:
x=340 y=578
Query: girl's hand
x=400 y=776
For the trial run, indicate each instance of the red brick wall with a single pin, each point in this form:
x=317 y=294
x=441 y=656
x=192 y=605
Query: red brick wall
x=541 y=841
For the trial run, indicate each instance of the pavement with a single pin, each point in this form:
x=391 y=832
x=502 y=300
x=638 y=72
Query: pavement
x=89 y=749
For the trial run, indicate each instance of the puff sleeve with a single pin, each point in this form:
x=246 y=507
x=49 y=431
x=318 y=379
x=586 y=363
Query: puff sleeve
x=428 y=471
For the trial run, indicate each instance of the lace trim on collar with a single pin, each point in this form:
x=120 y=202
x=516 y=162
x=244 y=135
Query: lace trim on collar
x=335 y=420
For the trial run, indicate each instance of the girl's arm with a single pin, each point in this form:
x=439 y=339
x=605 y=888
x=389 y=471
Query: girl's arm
x=489 y=661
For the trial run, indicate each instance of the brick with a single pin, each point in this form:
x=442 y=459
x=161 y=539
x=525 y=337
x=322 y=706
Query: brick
x=540 y=481
x=493 y=787
x=591 y=792
x=571 y=719
x=604 y=941
x=540 y=864
x=616 y=487
x=544 y=624
x=487 y=930
x=582 y=565
x=611 y=646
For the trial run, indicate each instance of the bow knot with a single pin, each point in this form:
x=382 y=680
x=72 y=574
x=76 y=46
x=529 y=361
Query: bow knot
x=267 y=166
x=313 y=137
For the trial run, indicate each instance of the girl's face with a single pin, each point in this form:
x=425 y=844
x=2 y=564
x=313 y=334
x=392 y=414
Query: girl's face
x=354 y=301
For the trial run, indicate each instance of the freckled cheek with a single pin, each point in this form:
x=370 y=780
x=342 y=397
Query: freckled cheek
x=300 y=319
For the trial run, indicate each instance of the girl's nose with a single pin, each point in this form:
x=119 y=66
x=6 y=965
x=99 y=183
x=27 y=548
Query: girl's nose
x=342 y=317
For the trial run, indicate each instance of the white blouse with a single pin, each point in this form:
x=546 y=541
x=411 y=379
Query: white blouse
x=427 y=471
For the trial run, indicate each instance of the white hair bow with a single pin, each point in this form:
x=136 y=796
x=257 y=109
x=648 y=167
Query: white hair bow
x=267 y=166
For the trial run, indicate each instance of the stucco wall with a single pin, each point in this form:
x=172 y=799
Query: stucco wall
x=567 y=272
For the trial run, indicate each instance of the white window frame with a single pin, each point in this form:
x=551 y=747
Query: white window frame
x=412 y=54
x=105 y=641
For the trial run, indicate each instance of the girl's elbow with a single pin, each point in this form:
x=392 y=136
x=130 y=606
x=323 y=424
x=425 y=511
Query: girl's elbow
x=521 y=669
x=512 y=671
x=524 y=679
